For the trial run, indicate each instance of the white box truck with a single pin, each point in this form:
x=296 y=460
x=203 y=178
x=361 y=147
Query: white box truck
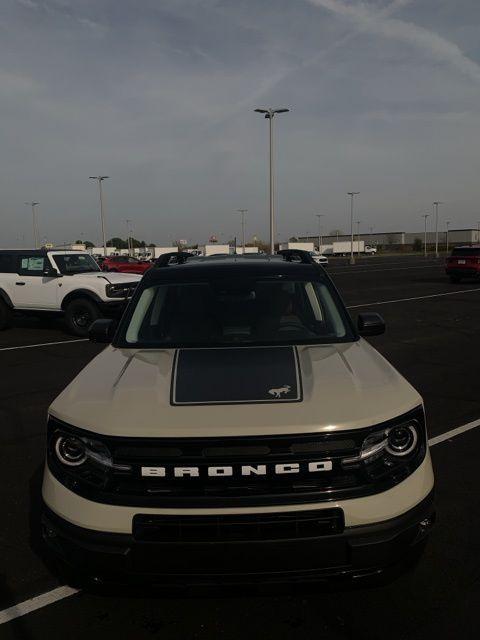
x=213 y=249
x=302 y=246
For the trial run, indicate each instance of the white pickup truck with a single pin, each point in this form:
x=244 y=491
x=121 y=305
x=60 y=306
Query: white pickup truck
x=66 y=282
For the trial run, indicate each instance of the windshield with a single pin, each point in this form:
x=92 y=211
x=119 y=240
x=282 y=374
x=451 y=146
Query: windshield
x=226 y=313
x=71 y=263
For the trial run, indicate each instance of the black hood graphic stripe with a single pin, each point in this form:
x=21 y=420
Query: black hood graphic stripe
x=239 y=375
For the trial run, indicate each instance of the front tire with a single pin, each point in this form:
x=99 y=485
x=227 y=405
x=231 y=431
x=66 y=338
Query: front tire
x=5 y=315
x=80 y=314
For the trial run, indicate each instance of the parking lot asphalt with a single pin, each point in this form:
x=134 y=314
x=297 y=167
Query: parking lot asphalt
x=431 y=338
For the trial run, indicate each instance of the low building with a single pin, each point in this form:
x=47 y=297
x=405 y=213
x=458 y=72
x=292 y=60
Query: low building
x=398 y=239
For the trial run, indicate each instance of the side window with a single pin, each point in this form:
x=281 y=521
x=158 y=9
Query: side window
x=6 y=263
x=32 y=265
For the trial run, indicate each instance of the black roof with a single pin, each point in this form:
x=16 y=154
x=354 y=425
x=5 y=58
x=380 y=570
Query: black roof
x=233 y=265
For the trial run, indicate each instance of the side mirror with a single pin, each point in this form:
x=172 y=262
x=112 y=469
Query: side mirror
x=50 y=272
x=370 y=324
x=102 y=331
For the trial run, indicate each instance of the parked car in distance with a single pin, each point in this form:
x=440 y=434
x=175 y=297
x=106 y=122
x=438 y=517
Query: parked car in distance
x=464 y=262
x=39 y=281
x=319 y=257
x=125 y=264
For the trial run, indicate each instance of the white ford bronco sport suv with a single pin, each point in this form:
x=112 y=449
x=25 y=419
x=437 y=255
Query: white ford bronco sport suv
x=237 y=427
x=68 y=282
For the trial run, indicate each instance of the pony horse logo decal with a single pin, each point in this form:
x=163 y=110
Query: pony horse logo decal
x=277 y=393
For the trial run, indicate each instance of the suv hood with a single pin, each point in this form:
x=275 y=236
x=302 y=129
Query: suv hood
x=130 y=392
x=112 y=278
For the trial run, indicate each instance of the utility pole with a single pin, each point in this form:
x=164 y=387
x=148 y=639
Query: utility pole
x=102 y=215
x=435 y=204
x=425 y=216
x=320 y=239
x=34 y=222
x=243 y=212
x=352 y=194
x=129 y=234
x=269 y=115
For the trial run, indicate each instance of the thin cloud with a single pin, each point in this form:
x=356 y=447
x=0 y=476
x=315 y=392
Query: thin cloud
x=437 y=47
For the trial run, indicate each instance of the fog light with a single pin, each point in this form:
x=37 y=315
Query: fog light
x=70 y=451
x=402 y=440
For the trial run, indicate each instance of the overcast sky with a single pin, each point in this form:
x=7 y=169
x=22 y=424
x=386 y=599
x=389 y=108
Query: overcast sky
x=159 y=95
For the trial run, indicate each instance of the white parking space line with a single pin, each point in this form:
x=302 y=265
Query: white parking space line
x=433 y=295
x=18 y=610
x=43 y=600
x=453 y=433
x=42 y=344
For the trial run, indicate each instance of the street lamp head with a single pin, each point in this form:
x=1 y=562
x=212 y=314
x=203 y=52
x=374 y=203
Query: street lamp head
x=353 y=193
x=98 y=177
x=269 y=113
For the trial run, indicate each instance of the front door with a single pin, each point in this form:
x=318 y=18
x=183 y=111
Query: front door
x=31 y=289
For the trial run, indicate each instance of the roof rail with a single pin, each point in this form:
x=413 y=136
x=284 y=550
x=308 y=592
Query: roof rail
x=296 y=255
x=174 y=257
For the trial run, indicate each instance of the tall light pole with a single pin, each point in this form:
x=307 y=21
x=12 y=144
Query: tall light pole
x=425 y=216
x=447 y=222
x=129 y=234
x=269 y=115
x=478 y=231
x=435 y=205
x=34 y=222
x=352 y=194
x=358 y=237
x=320 y=239
x=243 y=212
x=102 y=215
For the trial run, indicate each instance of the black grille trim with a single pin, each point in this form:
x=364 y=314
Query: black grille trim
x=239 y=528
x=341 y=483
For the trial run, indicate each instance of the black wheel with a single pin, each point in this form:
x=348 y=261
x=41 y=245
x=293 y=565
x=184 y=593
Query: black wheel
x=455 y=279
x=5 y=315
x=80 y=314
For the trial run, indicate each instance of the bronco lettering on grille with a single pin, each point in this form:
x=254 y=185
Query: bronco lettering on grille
x=240 y=470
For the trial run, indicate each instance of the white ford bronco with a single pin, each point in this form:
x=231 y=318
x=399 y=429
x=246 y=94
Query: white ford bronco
x=237 y=426
x=67 y=282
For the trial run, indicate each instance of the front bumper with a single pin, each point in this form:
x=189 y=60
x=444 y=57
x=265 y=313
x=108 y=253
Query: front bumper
x=355 y=551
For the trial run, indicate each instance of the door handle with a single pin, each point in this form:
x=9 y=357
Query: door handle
x=20 y=284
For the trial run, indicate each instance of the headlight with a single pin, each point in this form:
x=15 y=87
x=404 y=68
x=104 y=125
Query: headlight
x=402 y=440
x=394 y=451
x=120 y=290
x=74 y=451
x=70 y=450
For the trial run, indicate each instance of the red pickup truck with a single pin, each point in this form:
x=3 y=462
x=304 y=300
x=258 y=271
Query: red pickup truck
x=463 y=263
x=125 y=264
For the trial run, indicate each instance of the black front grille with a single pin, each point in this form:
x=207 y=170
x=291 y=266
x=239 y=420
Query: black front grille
x=234 y=471
x=238 y=528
